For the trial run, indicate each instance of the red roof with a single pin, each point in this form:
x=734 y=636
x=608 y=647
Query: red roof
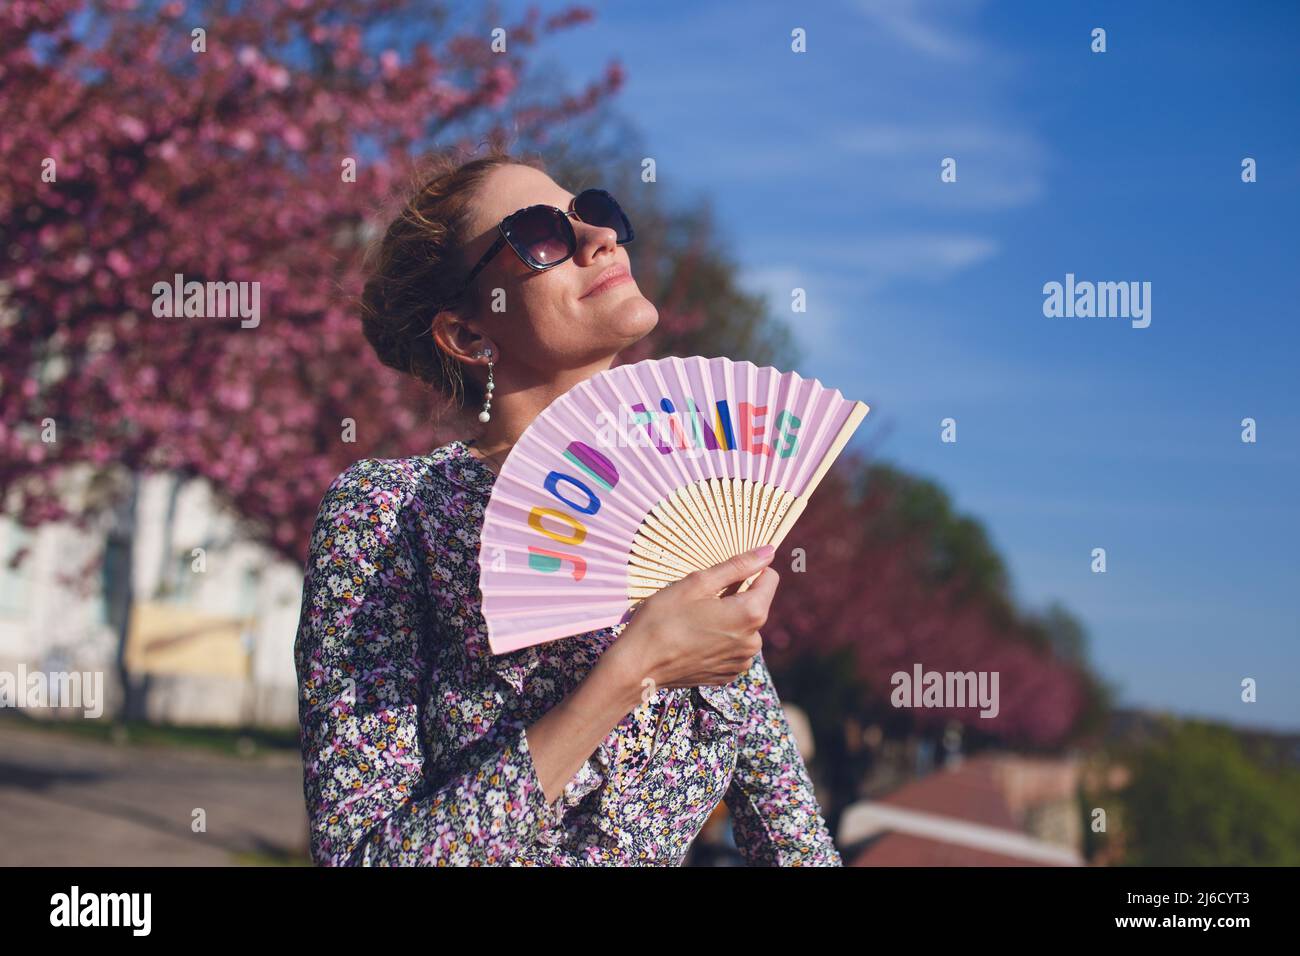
x=973 y=792
x=903 y=849
x=992 y=791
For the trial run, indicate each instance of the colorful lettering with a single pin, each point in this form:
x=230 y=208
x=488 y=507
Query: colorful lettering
x=548 y=562
x=552 y=485
x=749 y=431
x=579 y=529
x=788 y=436
x=726 y=437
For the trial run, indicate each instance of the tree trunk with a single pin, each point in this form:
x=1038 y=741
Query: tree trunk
x=119 y=594
x=167 y=580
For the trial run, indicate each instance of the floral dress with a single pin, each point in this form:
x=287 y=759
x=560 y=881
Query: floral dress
x=415 y=751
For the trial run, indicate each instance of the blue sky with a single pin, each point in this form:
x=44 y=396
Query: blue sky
x=925 y=299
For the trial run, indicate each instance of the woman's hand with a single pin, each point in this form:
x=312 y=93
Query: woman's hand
x=686 y=635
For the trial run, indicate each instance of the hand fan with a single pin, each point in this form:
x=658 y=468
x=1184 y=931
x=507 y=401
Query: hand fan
x=641 y=474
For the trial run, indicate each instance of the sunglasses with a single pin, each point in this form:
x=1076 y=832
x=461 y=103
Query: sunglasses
x=542 y=236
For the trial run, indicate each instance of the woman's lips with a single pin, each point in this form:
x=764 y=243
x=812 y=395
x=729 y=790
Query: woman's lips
x=608 y=279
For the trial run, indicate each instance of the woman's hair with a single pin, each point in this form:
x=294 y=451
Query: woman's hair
x=415 y=268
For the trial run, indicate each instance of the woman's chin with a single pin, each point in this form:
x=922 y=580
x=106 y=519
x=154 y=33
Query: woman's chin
x=635 y=319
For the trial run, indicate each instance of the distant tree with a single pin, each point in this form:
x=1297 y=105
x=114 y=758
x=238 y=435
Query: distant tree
x=954 y=552
x=956 y=546
x=1196 y=799
x=874 y=581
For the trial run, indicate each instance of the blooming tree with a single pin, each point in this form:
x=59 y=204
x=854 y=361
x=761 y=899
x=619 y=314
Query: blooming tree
x=242 y=147
x=865 y=586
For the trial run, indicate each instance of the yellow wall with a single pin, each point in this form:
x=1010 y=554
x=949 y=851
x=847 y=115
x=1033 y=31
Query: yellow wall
x=174 y=639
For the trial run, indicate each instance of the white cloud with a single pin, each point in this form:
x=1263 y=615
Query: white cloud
x=777 y=283
x=919 y=25
x=998 y=164
x=923 y=256
x=844 y=306
x=883 y=259
x=910 y=139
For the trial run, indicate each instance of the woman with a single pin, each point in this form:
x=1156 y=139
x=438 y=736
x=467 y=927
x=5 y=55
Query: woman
x=420 y=747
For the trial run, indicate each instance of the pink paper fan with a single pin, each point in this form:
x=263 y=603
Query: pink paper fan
x=641 y=474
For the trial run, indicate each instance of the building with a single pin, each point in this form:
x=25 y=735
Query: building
x=212 y=622
x=986 y=810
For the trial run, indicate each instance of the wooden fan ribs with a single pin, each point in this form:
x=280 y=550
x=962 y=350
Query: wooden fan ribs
x=701 y=525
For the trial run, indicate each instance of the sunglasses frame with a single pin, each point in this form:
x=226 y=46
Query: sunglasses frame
x=503 y=239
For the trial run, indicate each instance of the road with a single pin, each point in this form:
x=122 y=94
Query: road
x=71 y=802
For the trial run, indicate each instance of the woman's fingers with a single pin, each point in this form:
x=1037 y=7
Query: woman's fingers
x=732 y=571
x=748 y=610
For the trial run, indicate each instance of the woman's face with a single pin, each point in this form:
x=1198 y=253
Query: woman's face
x=551 y=320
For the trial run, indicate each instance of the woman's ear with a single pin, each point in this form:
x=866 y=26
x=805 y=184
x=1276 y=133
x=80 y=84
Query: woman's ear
x=457 y=338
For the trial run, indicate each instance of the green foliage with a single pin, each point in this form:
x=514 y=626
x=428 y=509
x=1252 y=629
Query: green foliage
x=1197 y=799
x=231 y=741
x=1062 y=632
x=1100 y=696
x=1094 y=843
x=958 y=547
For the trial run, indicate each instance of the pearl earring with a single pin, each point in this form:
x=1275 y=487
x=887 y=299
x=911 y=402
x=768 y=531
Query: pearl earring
x=486 y=414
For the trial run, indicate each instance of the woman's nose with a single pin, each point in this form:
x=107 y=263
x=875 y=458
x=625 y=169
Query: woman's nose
x=594 y=239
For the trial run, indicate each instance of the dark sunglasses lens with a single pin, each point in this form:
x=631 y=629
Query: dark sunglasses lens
x=541 y=236
x=599 y=208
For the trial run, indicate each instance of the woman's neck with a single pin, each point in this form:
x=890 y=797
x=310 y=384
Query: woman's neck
x=515 y=404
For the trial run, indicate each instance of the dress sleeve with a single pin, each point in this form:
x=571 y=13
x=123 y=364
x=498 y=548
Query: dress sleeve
x=360 y=665
x=775 y=817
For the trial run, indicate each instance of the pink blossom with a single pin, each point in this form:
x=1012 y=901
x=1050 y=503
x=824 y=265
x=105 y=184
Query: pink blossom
x=133 y=128
x=213 y=199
